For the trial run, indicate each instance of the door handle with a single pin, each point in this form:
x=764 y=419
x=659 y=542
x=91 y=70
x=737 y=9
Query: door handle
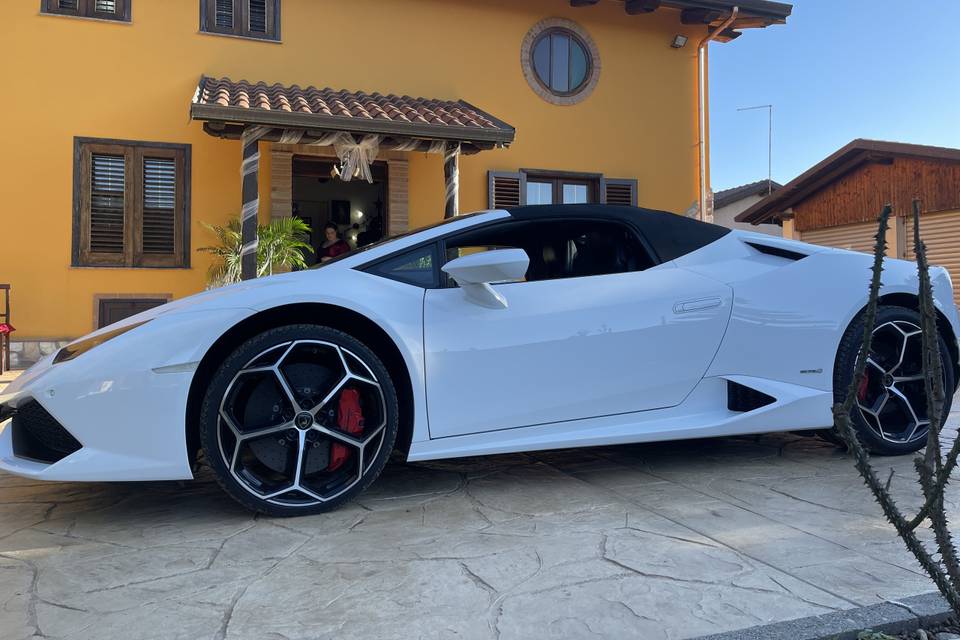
x=697 y=305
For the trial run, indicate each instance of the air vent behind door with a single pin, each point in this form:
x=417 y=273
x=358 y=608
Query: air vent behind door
x=742 y=398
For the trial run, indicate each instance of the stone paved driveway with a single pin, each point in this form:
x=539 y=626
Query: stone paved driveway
x=671 y=540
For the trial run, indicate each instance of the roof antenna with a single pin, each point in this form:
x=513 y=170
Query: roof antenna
x=769 y=108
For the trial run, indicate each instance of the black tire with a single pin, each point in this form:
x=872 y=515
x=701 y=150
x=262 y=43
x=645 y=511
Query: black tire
x=268 y=384
x=869 y=426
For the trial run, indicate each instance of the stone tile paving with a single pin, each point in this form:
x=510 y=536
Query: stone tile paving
x=671 y=540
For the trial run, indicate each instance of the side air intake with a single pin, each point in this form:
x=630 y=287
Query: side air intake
x=38 y=436
x=779 y=252
x=742 y=398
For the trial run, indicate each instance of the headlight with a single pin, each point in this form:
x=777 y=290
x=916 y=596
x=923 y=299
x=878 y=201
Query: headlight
x=80 y=347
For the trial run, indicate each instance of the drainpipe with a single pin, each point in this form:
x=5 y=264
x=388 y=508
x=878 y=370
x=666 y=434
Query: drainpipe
x=702 y=100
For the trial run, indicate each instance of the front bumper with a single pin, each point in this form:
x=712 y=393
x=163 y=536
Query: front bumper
x=124 y=402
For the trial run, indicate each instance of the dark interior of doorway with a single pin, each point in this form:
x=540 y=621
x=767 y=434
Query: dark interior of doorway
x=357 y=207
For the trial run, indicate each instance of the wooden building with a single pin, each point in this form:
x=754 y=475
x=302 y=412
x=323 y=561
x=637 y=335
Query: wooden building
x=837 y=201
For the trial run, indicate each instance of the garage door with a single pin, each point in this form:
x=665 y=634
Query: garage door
x=941 y=233
x=858 y=237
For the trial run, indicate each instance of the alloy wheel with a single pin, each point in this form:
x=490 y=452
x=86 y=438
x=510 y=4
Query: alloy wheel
x=891 y=397
x=287 y=429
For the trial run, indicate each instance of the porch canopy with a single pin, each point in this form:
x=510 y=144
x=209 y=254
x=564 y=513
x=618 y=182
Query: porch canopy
x=356 y=124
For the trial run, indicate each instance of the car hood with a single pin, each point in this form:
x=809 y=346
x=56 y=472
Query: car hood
x=234 y=296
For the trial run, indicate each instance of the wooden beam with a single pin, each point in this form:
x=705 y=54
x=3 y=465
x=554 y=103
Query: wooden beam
x=250 y=202
x=451 y=180
x=699 y=16
x=727 y=35
x=636 y=7
x=230 y=131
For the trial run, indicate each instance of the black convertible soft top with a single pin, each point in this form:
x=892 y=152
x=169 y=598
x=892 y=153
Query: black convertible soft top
x=668 y=234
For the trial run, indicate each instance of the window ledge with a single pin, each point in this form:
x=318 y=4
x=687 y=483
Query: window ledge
x=85 y=267
x=236 y=37
x=87 y=18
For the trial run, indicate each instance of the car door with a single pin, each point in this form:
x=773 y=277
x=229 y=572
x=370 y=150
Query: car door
x=568 y=348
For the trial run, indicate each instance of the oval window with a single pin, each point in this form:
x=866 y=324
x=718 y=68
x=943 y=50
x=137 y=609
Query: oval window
x=561 y=61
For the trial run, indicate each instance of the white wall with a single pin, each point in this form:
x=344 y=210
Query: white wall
x=725 y=216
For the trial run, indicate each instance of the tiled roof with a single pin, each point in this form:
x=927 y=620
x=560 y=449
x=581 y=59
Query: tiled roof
x=834 y=167
x=325 y=108
x=729 y=196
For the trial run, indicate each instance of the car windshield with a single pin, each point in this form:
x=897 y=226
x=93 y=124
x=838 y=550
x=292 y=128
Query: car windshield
x=380 y=243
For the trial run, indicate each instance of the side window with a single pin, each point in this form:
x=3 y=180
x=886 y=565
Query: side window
x=417 y=267
x=560 y=248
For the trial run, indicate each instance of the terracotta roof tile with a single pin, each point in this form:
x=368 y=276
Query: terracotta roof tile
x=224 y=92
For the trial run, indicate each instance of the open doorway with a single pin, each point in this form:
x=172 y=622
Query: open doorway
x=356 y=208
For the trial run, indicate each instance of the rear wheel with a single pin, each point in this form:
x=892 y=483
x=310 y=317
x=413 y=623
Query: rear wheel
x=890 y=414
x=298 y=420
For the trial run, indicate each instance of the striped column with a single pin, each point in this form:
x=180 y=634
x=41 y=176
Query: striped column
x=451 y=179
x=250 y=171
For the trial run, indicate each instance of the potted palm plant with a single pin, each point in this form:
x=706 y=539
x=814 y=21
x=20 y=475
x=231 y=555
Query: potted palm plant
x=280 y=246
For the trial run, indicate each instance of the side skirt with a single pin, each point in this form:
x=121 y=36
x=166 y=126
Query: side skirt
x=704 y=414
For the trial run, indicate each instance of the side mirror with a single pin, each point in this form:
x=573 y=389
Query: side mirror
x=475 y=272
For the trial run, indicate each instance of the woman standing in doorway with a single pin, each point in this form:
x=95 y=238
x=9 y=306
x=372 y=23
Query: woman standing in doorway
x=333 y=245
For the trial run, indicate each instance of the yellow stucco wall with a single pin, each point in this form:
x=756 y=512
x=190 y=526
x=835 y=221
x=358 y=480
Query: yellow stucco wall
x=69 y=77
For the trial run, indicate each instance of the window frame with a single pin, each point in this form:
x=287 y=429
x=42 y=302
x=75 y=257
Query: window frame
x=593 y=182
x=133 y=152
x=446 y=282
x=574 y=38
x=583 y=38
x=88 y=9
x=241 y=26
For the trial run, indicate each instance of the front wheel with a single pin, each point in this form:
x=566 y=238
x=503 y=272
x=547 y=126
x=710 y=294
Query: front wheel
x=298 y=420
x=890 y=414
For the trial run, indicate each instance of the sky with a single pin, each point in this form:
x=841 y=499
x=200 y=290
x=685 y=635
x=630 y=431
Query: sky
x=838 y=70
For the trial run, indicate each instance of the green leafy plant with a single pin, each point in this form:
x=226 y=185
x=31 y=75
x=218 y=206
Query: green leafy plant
x=280 y=244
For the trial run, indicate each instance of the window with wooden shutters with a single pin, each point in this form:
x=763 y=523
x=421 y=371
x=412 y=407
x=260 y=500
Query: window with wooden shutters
x=102 y=9
x=541 y=187
x=131 y=204
x=246 y=18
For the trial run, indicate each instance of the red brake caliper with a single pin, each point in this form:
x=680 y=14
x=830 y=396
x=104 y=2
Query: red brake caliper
x=862 y=389
x=350 y=421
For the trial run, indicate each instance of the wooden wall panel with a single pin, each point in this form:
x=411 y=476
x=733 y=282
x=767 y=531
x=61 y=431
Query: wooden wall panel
x=859 y=195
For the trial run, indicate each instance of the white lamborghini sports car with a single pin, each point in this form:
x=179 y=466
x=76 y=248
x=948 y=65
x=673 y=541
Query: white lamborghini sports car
x=496 y=332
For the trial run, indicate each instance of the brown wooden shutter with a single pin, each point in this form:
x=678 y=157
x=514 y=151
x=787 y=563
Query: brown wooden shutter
x=621 y=191
x=159 y=205
x=223 y=14
x=506 y=189
x=257 y=16
x=107 y=206
x=157 y=218
x=68 y=5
